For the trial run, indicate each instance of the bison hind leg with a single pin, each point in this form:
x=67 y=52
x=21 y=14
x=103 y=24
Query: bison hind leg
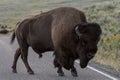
x=24 y=57
x=16 y=56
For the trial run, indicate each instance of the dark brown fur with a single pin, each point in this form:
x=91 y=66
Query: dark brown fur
x=55 y=31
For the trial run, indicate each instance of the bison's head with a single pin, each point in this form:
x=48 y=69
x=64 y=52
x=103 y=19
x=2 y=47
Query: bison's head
x=88 y=35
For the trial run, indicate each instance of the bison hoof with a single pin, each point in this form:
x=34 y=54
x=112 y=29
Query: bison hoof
x=74 y=74
x=30 y=72
x=14 y=71
x=61 y=74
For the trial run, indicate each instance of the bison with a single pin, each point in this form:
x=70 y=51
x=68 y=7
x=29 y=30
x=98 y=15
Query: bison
x=63 y=30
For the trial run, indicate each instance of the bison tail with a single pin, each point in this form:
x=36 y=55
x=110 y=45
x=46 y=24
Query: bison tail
x=13 y=37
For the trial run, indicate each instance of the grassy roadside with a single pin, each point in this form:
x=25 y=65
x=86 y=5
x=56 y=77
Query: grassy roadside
x=107 y=15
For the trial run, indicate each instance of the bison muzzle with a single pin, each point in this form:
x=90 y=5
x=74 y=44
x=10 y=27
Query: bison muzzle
x=63 y=30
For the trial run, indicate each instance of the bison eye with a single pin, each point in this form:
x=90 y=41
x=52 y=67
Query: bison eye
x=90 y=55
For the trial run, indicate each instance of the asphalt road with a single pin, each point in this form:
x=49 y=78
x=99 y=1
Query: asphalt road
x=43 y=67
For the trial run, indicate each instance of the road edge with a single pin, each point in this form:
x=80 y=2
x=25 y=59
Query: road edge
x=103 y=70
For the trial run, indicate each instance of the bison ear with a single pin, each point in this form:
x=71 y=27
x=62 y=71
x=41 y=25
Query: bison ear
x=77 y=32
x=79 y=29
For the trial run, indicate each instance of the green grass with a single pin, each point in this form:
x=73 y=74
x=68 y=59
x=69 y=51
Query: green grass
x=104 y=12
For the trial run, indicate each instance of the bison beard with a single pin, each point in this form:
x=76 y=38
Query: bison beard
x=63 y=30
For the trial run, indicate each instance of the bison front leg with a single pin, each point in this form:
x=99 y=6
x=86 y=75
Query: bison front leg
x=74 y=72
x=73 y=69
x=59 y=71
x=16 y=56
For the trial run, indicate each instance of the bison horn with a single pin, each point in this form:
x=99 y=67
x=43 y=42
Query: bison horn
x=77 y=31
